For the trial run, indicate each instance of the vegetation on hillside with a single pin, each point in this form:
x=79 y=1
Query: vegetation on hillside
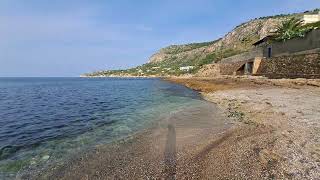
x=169 y=60
x=175 y=49
x=169 y=66
x=293 y=28
x=289 y=29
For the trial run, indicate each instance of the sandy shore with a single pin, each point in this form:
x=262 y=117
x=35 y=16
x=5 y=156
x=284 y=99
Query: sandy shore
x=259 y=129
x=279 y=132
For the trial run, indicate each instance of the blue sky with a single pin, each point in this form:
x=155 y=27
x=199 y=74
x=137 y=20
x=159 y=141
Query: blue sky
x=70 y=37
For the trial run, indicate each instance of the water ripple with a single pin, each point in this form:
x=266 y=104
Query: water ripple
x=55 y=116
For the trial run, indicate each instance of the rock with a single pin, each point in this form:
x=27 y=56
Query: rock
x=45 y=157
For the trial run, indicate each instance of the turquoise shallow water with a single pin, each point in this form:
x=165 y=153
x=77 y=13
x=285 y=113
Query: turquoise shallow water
x=45 y=120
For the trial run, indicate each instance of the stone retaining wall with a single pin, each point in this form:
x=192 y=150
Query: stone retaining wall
x=231 y=68
x=298 y=66
x=209 y=70
x=213 y=70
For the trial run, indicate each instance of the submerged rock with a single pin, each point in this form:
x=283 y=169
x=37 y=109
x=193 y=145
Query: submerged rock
x=45 y=157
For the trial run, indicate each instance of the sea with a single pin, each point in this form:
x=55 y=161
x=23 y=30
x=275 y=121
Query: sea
x=46 y=120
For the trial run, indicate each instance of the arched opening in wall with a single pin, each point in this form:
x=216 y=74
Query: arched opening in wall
x=248 y=68
x=240 y=71
x=245 y=69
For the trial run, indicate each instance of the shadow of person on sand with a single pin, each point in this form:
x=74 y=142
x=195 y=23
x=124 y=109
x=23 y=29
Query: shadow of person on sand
x=170 y=154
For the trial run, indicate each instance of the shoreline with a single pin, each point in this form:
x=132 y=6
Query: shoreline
x=256 y=143
x=277 y=135
x=173 y=148
x=135 y=77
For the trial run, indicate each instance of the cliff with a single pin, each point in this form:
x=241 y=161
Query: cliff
x=239 y=39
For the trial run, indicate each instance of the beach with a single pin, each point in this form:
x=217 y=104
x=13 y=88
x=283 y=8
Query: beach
x=251 y=128
x=175 y=148
x=278 y=134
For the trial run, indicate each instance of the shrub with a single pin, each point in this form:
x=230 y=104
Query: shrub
x=293 y=28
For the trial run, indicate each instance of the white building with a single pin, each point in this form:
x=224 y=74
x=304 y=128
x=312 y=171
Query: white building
x=311 y=18
x=155 y=68
x=186 y=68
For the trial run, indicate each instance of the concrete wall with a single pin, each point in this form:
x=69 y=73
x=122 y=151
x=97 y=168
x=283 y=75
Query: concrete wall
x=255 y=52
x=256 y=64
x=309 y=44
x=298 y=66
x=311 y=18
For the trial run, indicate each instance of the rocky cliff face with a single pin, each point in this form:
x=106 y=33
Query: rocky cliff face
x=238 y=40
x=178 y=52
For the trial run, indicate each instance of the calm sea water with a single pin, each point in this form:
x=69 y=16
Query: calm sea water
x=45 y=120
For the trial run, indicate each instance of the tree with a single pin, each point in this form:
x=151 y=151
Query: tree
x=289 y=29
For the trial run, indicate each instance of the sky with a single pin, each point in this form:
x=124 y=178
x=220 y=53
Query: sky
x=62 y=38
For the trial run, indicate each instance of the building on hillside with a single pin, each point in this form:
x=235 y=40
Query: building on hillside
x=186 y=68
x=263 y=41
x=311 y=18
x=155 y=68
x=266 y=49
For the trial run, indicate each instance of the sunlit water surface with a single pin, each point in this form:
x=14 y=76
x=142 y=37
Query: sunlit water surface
x=46 y=120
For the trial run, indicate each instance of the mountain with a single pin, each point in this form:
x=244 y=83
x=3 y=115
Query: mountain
x=169 y=60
